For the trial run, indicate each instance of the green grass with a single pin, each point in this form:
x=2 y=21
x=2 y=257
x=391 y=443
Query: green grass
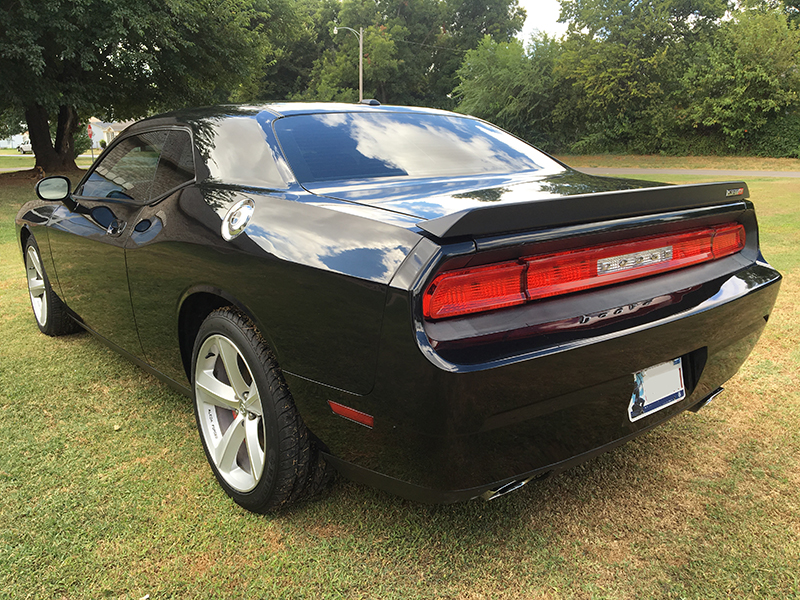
x=105 y=492
x=654 y=161
x=15 y=160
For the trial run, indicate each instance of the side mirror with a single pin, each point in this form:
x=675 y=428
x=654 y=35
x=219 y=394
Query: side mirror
x=54 y=188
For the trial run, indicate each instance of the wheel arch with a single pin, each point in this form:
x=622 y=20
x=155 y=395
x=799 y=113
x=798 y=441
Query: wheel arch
x=195 y=306
x=25 y=234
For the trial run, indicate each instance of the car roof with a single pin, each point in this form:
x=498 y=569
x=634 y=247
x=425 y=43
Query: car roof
x=275 y=110
x=286 y=109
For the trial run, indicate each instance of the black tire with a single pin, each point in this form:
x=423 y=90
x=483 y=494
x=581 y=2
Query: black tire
x=259 y=449
x=50 y=313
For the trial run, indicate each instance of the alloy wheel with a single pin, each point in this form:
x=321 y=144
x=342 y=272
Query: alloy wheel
x=230 y=413
x=36 y=285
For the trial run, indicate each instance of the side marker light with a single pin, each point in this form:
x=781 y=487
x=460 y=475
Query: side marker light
x=352 y=414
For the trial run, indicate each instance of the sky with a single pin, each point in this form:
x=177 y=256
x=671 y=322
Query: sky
x=542 y=15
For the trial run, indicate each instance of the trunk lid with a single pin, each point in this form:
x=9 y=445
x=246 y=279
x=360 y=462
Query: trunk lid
x=475 y=207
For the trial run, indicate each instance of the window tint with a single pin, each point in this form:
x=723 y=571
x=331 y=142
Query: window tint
x=127 y=172
x=143 y=167
x=176 y=165
x=237 y=149
x=331 y=146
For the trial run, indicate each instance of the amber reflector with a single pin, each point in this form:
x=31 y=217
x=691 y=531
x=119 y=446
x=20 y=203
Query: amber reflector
x=478 y=289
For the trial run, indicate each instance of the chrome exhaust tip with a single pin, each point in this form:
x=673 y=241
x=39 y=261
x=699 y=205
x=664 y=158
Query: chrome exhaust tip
x=509 y=487
x=706 y=400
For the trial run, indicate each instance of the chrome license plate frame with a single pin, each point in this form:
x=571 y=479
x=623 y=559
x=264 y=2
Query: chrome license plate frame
x=656 y=388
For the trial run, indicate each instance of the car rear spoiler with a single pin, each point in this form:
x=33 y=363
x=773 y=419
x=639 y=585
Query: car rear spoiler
x=582 y=208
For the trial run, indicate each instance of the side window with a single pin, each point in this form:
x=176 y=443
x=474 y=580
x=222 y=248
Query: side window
x=176 y=165
x=127 y=172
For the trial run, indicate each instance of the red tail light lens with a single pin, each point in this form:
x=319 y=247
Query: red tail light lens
x=728 y=240
x=474 y=290
x=466 y=291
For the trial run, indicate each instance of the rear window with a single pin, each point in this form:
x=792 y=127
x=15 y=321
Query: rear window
x=338 y=146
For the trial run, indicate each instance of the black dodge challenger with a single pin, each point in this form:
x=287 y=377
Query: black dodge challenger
x=413 y=297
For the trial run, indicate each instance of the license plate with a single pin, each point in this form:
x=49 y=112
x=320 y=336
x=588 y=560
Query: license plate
x=655 y=388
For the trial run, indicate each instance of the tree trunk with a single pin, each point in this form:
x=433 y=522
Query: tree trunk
x=60 y=157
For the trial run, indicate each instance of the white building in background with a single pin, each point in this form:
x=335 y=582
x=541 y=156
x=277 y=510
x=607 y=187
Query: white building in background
x=100 y=131
x=14 y=141
x=105 y=131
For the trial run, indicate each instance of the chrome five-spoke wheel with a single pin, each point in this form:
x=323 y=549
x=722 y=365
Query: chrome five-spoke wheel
x=229 y=411
x=51 y=313
x=37 y=287
x=256 y=443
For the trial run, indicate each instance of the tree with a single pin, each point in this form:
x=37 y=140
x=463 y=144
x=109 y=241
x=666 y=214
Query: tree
x=624 y=60
x=513 y=87
x=642 y=76
x=746 y=76
x=304 y=34
x=467 y=22
x=12 y=122
x=412 y=48
x=63 y=60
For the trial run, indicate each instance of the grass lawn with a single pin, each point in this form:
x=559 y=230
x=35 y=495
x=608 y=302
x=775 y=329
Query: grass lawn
x=105 y=491
x=742 y=163
x=15 y=160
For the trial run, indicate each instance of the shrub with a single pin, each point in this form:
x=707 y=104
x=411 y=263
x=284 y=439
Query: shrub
x=780 y=137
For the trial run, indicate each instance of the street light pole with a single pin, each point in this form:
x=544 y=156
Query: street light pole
x=360 y=35
x=360 y=64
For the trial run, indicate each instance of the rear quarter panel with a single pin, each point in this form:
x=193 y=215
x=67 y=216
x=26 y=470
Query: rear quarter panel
x=313 y=279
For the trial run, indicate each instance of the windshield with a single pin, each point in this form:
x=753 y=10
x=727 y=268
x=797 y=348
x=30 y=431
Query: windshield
x=338 y=146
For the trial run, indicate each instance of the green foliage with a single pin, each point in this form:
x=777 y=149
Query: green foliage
x=492 y=78
x=656 y=76
x=412 y=48
x=646 y=24
x=288 y=61
x=623 y=61
x=642 y=76
x=120 y=60
x=502 y=83
x=779 y=137
x=12 y=122
x=146 y=54
x=82 y=142
x=747 y=74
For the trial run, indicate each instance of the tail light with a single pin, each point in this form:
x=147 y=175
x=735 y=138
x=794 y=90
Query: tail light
x=478 y=289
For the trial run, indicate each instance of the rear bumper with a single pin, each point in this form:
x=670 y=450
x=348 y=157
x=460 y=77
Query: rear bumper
x=445 y=435
x=437 y=495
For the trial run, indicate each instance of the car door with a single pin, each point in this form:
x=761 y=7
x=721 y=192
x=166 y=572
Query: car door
x=165 y=252
x=88 y=240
